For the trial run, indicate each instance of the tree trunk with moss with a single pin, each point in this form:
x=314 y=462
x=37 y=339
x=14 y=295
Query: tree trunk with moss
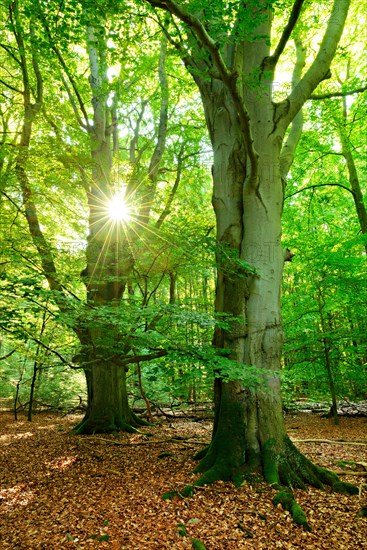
x=253 y=139
x=249 y=419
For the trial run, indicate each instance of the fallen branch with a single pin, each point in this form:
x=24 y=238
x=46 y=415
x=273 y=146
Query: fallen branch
x=349 y=473
x=151 y=442
x=331 y=441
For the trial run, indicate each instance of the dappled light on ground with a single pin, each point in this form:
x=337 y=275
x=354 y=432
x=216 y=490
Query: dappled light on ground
x=60 y=491
x=18 y=495
x=7 y=439
x=61 y=463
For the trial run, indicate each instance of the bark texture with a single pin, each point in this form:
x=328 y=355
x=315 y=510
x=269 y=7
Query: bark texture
x=253 y=150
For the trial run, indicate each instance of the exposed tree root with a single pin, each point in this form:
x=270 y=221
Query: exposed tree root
x=91 y=425
x=288 y=502
x=94 y=423
x=283 y=471
x=140 y=421
x=349 y=473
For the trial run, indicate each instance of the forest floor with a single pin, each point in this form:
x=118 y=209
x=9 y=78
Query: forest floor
x=60 y=491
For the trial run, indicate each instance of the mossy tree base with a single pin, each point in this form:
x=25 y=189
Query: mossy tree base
x=284 y=471
x=103 y=424
x=286 y=499
x=108 y=407
x=289 y=468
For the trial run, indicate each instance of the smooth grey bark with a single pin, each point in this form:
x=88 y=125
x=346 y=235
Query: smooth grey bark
x=247 y=131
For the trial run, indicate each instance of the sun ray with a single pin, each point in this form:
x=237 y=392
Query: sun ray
x=118 y=209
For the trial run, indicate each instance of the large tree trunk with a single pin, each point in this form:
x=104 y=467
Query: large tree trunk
x=249 y=430
x=108 y=409
x=235 y=75
x=108 y=266
x=248 y=416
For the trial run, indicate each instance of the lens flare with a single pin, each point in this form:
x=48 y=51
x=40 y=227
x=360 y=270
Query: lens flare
x=118 y=210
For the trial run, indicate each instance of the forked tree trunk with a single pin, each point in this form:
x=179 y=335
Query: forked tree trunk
x=249 y=431
x=247 y=131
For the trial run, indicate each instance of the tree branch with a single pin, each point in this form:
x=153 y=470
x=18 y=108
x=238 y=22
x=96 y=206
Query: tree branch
x=321 y=185
x=67 y=72
x=171 y=196
x=159 y=149
x=72 y=102
x=319 y=68
x=289 y=147
x=7 y=355
x=8 y=50
x=40 y=343
x=36 y=69
x=228 y=78
x=338 y=94
x=139 y=358
x=11 y=87
x=292 y=21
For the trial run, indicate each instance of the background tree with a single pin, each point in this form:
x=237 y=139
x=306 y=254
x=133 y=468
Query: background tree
x=120 y=144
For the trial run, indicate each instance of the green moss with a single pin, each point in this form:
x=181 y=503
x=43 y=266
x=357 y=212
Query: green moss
x=139 y=421
x=201 y=453
x=188 y=491
x=345 y=488
x=299 y=517
x=181 y=530
x=224 y=456
x=197 y=544
x=170 y=495
x=326 y=476
x=270 y=463
x=220 y=471
x=247 y=475
x=362 y=512
x=107 y=424
x=238 y=479
x=253 y=460
x=289 y=477
x=207 y=461
x=286 y=499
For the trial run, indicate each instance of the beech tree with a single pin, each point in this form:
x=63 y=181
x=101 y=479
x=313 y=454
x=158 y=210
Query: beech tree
x=228 y=50
x=96 y=159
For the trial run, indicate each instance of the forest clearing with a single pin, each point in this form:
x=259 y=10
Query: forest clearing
x=61 y=491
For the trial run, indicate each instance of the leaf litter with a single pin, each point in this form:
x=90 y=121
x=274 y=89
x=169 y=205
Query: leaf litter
x=59 y=491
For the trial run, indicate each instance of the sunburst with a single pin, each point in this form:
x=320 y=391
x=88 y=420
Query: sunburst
x=117 y=208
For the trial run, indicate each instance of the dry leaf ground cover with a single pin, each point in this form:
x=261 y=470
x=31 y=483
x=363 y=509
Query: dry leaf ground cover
x=60 y=491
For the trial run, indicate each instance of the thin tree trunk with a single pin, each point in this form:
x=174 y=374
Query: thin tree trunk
x=328 y=362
